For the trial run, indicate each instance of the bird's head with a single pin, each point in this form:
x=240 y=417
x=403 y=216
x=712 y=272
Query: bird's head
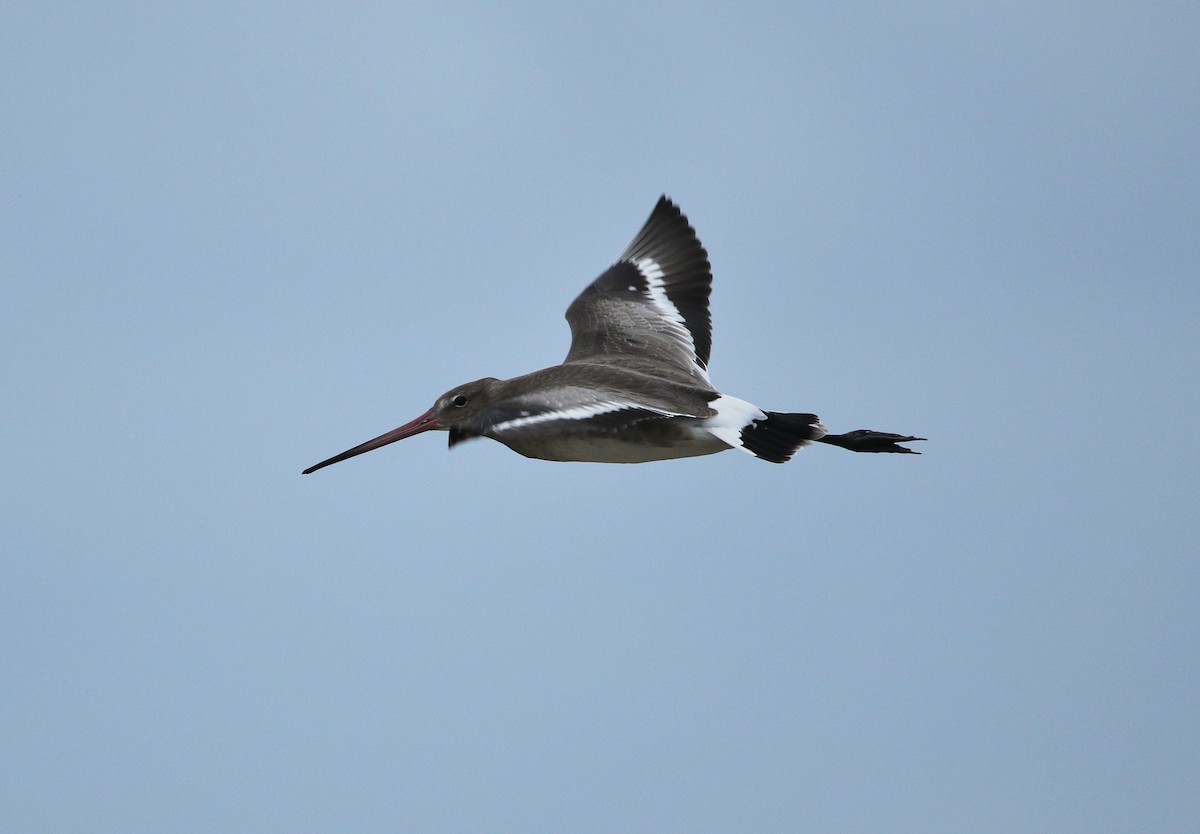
x=454 y=411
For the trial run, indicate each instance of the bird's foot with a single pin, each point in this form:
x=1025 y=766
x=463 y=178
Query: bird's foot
x=866 y=440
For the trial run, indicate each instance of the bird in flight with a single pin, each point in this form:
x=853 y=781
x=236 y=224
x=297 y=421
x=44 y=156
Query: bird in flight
x=634 y=386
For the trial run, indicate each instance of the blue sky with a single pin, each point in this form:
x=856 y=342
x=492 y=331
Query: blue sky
x=238 y=239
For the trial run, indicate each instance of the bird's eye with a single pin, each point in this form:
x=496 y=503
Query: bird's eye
x=459 y=401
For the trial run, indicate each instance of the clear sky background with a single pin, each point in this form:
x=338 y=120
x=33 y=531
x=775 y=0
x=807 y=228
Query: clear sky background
x=239 y=238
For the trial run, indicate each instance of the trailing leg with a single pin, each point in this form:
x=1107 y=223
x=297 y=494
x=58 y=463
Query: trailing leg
x=866 y=440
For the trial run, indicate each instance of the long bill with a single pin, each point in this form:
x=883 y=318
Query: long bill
x=425 y=422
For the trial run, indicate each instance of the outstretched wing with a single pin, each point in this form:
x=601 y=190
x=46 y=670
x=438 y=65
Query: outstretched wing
x=652 y=304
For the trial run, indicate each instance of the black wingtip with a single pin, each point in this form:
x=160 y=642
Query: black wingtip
x=669 y=239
